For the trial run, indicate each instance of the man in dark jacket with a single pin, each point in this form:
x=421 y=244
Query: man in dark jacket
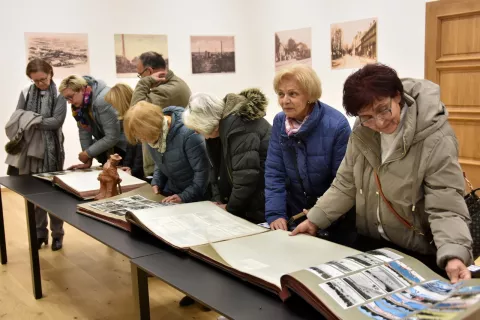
x=237 y=144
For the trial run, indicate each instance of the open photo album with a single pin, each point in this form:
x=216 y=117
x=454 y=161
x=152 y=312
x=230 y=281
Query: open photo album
x=338 y=281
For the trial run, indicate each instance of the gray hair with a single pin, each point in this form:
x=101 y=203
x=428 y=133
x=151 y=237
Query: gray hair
x=203 y=113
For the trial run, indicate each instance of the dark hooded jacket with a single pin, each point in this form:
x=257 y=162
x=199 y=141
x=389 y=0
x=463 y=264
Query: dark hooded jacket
x=238 y=155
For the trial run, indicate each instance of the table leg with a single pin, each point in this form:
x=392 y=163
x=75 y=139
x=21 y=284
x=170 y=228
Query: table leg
x=33 y=246
x=140 y=292
x=3 y=242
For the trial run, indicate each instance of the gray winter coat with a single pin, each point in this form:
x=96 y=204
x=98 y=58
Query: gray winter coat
x=183 y=169
x=106 y=131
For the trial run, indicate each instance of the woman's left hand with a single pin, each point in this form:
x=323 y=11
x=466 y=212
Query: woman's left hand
x=457 y=270
x=172 y=199
x=83 y=157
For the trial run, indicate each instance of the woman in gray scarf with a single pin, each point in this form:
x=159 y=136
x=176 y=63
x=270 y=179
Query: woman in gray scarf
x=42 y=98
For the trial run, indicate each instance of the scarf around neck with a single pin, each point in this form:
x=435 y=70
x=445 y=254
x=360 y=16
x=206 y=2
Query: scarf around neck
x=161 y=144
x=82 y=113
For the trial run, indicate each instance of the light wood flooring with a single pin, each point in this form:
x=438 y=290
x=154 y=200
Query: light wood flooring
x=84 y=280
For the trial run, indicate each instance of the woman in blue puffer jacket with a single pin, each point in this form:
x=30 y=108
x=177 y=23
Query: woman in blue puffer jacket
x=307 y=145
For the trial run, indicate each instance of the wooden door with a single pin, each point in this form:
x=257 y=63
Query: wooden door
x=452 y=59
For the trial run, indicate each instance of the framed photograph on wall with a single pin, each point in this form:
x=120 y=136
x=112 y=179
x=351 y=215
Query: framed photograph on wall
x=66 y=52
x=213 y=54
x=292 y=47
x=129 y=47
x=354 y=43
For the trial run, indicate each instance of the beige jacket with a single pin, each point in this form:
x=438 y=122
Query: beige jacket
x=421 y=178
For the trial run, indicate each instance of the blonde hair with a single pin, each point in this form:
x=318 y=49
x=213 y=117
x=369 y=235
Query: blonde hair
x=306 y=77
x=119 y=96
x=203 y=113
x=143 y=122
x=76 y=83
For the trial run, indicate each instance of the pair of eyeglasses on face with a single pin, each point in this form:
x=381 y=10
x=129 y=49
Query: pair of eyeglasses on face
x=39 y=81
x=69 y=98
x=141 y=73
x=384 y=114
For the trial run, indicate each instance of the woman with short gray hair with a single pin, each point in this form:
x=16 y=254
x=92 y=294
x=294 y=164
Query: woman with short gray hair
x=237 y=141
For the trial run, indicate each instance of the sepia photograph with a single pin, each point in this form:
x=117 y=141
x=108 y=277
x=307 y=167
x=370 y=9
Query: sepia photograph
x=364 y=286
x=405 y=271
x=129 y=47
x=365 y=260
x=342 y=293
x=384 y=255
x=292 y=47
x=353 y=44
x=66 y=52
x=213 y=54
x=325 y=271
x=387 y=280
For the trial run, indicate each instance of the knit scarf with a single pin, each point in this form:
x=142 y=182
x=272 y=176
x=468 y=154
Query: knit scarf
x=43 y=103
x=161 y=144
x=81 y=113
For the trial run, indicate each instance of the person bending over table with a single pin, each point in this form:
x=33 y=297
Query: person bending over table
x=41 y=98
x=98 y=125
x=401 y=171
x=119 y=97
x=308 y=142
x=237 y=141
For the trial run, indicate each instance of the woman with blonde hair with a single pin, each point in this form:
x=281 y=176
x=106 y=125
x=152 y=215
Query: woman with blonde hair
x=119 y=97
x=97 y=121
x=181 y=163
x=308 y=143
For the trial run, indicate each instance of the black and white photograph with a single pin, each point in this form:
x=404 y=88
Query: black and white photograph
x=66 y=52
x=345 y=266
x=384 y=255
x=365 y=260
x=119 y=212
x=136 y=198
x=325 y=271
x=342 y=293
x=387 y=280
x=415 y=295
x=292 y=47
x=213 y=54
x=364 y=286
x=353 y=43
x=376 y=307
x=405 y=302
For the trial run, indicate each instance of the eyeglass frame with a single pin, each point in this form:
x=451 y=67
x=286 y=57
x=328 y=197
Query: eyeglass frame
x=44 y=80
x=380 y=116
x=139 y=75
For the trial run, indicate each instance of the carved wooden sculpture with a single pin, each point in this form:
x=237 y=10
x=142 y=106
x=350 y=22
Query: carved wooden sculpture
x=109 y=178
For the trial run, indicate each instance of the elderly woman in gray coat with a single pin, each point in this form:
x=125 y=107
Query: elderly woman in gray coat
x=98 y=125
x=42 y=101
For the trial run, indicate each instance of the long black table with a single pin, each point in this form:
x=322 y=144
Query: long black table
x=230 y=296
x=63 y=206
x=224 y=293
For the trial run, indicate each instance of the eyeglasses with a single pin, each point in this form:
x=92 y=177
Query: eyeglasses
x=381 y=116
x=70 y=98
x=140 y=74
x=44 y=80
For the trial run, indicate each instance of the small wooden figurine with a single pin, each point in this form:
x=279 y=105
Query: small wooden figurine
x=109 y=178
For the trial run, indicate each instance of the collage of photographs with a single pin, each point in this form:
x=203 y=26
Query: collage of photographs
x=121 y=206
x=384 y=288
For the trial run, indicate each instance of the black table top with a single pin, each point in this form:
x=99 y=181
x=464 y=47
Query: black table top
x=26 y=184
x=63 y=205
x=221 y=291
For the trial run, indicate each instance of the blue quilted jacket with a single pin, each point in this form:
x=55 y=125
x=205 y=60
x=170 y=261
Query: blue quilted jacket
x=184 y=168
x=318 y=149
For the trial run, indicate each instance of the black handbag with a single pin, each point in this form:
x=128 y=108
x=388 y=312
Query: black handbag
x=473 y=204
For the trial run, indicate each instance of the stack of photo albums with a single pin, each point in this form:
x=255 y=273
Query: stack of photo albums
x=340 y=282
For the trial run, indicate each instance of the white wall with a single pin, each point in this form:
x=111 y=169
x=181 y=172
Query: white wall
x=401 y=26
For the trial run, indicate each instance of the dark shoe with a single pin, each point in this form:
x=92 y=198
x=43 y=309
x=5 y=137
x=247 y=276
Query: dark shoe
x=186 y=301
x=56 y=244
x=40 y=241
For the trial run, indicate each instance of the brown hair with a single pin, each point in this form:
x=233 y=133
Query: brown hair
x=369 y=84
x=39 y=65
x=119 y=96
x=143 y=122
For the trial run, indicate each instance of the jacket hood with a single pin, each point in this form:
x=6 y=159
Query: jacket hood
x=426 y=112
x=177 y=121
x=97 y=86
x=250 y=104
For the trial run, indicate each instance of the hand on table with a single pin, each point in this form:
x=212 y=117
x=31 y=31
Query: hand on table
x=172 y=199
x=457 y=270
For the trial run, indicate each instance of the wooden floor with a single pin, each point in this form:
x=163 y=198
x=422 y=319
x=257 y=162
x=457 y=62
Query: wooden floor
x=84 y=280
